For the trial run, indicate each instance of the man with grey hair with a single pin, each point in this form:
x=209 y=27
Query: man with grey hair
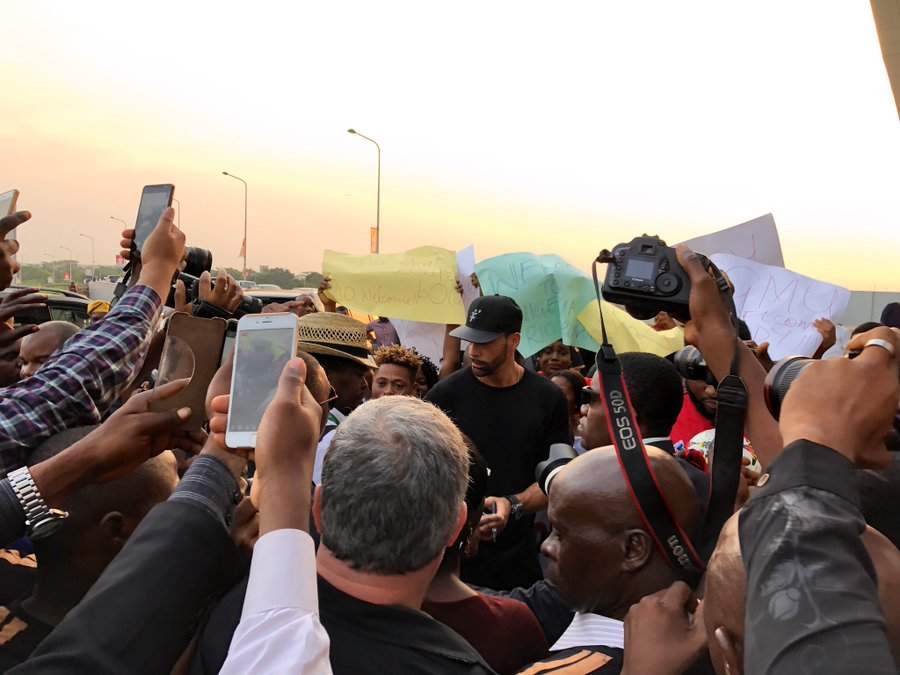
x=392 y=499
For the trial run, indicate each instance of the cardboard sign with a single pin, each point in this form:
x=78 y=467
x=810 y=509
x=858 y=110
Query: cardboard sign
x=419 y=285
x=756 y=239
x=780 y=306
x=550 y=292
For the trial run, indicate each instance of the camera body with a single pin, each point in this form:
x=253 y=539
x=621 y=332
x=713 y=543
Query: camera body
x=645 y=277
x=249 y=305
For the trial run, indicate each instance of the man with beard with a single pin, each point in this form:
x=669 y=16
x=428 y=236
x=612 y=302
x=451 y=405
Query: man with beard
x=512 y=416
x=698 y=411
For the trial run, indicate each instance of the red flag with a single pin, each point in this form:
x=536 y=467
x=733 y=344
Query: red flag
x=243 y=252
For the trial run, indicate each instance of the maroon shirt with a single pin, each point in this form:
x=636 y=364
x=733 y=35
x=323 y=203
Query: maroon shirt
x=504 y=631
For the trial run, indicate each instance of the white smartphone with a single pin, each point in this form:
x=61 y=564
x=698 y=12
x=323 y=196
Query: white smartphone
x=263 y=346
x=8 y=203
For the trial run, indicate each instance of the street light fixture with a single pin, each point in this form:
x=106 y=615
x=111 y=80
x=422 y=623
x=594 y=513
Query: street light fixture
x=120 y=220
x=378 y=202
x=244 y=245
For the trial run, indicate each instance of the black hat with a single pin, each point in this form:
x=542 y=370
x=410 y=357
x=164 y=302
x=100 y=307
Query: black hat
x=490 y=317
x=891 y=315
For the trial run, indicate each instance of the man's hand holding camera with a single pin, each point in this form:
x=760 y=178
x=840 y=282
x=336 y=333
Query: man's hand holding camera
x=848 y=405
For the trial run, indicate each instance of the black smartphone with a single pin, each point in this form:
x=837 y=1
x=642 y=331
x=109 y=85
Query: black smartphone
x=154 y=200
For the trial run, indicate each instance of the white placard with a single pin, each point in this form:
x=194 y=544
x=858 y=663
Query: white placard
x=756 y=239
x=465 y=268
x=427 y=338
x=780 y=306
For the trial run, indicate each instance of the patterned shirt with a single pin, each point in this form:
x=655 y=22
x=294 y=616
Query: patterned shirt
x=80 y=381
x=812 y=603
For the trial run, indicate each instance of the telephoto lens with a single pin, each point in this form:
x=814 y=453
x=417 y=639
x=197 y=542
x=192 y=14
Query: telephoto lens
x=785 y=373
x=780 y=379
x=560 y=455
x=249 y=305
x=690 y=364
x=197 y=261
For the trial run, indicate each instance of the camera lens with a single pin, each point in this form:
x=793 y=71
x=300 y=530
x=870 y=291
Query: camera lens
x=560 y=455
x=197 y=261
x=667 y=283
x=780 y=379
x=690 y=364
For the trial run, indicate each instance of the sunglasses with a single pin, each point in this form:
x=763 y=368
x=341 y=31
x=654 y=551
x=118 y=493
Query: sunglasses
x=589 y=396
x=332 y=396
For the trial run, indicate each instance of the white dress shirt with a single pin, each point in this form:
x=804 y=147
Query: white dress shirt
x=592 y=630
x=335 y=417
x=279 y=630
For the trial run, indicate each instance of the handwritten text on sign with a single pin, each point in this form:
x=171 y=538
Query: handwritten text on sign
x=550 y=292
x=419 y=285
x=781 y=306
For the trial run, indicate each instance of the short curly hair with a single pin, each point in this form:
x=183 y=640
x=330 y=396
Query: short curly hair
x=399 y=355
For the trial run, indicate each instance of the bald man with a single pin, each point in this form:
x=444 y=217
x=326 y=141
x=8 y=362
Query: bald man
x=726 y=586
x=603 y=559
x=38 y=347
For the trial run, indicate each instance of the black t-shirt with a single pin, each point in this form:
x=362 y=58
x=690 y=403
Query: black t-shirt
x=513 y=428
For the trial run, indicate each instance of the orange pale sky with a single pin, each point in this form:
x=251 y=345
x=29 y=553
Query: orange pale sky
x=517 y=126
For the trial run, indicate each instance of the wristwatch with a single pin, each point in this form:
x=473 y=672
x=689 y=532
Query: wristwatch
x=40 y=520
x=517 y=508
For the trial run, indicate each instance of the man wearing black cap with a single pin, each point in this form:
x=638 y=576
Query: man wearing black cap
x=513 y=417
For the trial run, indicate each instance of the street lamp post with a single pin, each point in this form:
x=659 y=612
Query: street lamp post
x=179 y=211
x=71 y=278
x=244 y=246
x=93 y=257
x=378 y=198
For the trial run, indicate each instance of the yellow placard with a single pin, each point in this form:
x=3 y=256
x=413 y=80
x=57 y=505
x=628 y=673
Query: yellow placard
x=418 y=285
x=627 y=334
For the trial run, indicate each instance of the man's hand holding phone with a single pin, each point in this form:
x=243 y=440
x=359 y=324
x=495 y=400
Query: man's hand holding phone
x=285 y=451
x=9 y=247
x=162 y=254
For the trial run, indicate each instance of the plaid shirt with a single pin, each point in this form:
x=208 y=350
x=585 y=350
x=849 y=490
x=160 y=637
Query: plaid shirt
x=80 y=381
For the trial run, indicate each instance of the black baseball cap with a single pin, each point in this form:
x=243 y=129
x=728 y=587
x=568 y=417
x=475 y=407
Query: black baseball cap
x=490 y=317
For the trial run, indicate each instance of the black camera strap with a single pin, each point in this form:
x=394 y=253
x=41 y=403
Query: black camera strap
x=727 y=454
x=670 y=539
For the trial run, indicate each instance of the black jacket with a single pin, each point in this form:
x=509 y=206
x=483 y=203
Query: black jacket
x=143 y=611
x=365 y=638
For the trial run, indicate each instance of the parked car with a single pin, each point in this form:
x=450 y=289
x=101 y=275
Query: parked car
x=61 y=306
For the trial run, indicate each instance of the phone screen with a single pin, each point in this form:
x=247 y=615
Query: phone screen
x=260 y=358
x=154 y=200
x=8 y=203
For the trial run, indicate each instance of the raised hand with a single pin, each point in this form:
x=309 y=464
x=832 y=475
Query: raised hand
x=225 y=294
x=661 y=636
x=829 y=336
x=285 y=451
x=848 y=405
x=9 y=247
x=328 y=302
x=133 y=434
x=162 y=254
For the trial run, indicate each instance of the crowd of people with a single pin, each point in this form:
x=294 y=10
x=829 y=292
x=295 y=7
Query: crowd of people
x=392 y=517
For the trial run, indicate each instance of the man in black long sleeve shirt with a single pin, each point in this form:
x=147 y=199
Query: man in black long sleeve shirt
x=813 y=602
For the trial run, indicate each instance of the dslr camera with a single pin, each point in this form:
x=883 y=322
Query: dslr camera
x=644 y=276
x=198 y=261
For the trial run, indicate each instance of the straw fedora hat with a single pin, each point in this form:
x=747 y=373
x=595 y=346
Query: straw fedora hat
x=332 y=334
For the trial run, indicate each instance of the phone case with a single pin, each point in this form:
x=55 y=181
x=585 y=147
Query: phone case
x=192 y=349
